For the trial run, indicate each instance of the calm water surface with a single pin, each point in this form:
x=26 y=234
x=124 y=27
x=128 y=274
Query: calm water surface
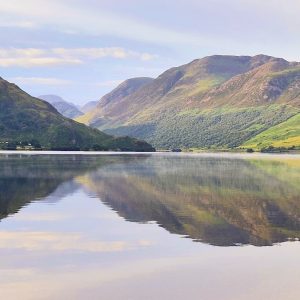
x=161 y=226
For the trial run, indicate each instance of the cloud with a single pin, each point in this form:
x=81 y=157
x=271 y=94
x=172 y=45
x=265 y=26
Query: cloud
x=36 y=62
x=95 y=53
x=35 y=57
x=92 y=19
x=32 y=57
x=39 y=81
x=190 y=23
x=17 y=24
x=53 y=241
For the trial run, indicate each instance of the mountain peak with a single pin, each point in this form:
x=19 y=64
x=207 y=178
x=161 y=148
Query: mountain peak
x=124 y=89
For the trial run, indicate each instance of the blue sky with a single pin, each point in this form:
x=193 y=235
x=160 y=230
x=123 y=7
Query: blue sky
x=82 y=49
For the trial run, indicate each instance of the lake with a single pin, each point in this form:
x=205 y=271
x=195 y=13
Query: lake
x=149 y=226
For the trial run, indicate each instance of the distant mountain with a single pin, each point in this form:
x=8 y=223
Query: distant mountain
x=88 y=106
x=67 y=109
x=214 y=102
x=24 y=118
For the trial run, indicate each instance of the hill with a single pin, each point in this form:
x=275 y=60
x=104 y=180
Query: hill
x=214 y=102
x=65 y=108
x=24 y=118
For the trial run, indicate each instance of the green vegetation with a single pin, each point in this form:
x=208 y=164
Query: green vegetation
x=24 y=118
x=214 y=129
x=218 y=102
x=285 y=134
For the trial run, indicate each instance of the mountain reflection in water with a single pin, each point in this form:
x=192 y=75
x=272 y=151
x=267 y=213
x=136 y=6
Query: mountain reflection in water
x=216 y=200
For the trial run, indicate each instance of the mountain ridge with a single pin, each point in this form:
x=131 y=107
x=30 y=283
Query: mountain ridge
x=113 y=98
x=218 y=101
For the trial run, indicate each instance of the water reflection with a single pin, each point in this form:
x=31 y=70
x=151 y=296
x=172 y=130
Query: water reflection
x=215 y=200
x=28 y=178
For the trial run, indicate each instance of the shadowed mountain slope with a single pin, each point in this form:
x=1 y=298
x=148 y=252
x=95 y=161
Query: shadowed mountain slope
x=25 y=118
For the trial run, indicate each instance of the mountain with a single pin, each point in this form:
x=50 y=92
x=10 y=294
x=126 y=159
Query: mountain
x=113 y=99
x=88 y=106
x=213 y=102
x=24 y=118
x=67 y=109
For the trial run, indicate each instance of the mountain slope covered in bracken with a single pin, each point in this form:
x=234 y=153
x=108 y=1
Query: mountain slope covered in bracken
x=214 y=102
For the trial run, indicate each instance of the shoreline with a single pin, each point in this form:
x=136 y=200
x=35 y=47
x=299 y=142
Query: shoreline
x=227 y=154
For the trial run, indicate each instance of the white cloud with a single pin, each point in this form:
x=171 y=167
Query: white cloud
x=100 y=19
x=34 y=57
x=92 y=53
x=23 y=52
x=17 y=24
x=36 y=62
x=95 y=53
x=39 y=81
x=92 y=19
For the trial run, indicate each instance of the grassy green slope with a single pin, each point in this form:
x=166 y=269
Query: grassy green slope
x=215 y=128
x=23 y=118
x=215 y=102
x=285 y=134
x=227 y=115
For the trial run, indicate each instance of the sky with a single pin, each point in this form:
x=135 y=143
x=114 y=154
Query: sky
x=82 y=49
